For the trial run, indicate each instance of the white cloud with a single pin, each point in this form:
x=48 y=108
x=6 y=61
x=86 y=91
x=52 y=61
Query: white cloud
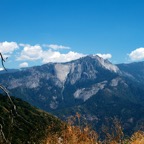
x=56 y=47
x=1 y=69
x=137 y=54
x=55 y=56
x=8 y=47
x=24 y=64
x=105 y=56
x=31 y=53
x=36 y=52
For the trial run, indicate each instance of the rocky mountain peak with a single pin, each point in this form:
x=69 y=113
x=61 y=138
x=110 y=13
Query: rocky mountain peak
x=105 y=63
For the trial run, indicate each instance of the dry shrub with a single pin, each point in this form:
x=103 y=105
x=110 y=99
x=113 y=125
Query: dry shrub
x=71 y=134
x=74 y=134
x=137 y=138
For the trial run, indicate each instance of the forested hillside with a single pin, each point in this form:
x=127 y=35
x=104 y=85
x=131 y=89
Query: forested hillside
x=26 y=124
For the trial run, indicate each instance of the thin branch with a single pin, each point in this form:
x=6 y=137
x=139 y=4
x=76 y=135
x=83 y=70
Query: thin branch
x=2 y=61
x=14 y=106
x=2 y=133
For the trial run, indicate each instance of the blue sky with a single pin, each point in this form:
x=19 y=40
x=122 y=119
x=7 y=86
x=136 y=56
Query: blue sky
x=34 y=32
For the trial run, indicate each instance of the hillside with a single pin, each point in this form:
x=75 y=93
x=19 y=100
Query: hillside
x=26 y=124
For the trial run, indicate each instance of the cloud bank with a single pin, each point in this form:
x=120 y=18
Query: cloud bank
x=137 y=54
x=55 y=56
x=36 y=52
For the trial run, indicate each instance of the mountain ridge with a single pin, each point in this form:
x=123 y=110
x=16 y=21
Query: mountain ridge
x=87 y=83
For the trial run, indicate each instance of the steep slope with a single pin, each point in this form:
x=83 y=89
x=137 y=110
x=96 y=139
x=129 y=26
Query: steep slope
x=25 y=125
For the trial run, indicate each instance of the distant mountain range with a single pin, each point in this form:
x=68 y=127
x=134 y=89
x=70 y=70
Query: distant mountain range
x=92 y=86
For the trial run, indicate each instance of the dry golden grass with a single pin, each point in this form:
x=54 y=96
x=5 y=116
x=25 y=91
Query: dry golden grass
x=71 y=134
x=74 y=135
x=137 y=138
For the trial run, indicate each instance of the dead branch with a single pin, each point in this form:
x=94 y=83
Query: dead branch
x=2 y=61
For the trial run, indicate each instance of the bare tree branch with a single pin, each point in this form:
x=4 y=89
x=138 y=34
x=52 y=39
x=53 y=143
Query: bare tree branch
x=2 y=61
x=2 y=133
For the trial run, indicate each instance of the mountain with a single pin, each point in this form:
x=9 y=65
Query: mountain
x=25 y=124
x=135 y=70
x=50 y=85
x=92 y=86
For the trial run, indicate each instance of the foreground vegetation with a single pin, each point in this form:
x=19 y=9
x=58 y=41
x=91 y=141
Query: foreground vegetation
x=71 y=134
x=74 y=135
